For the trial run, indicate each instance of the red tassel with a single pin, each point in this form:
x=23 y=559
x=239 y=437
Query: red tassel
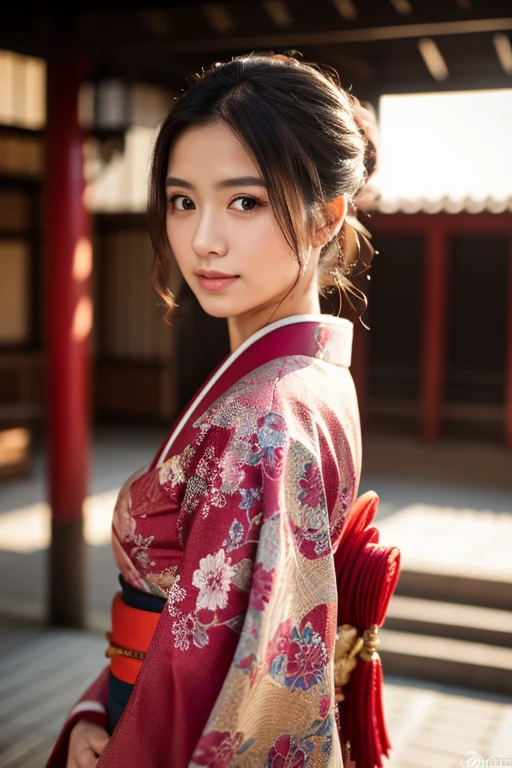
x=367 y=577
x=385 y=743
x=362 y=716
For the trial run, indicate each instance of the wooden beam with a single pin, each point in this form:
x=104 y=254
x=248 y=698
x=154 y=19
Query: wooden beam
x=346 y=9
x=433 y=58
x=503 y=50
x=474 y=79
x=402 y=6
x=456 y=223
x=279 y=12
x=218 y=17
x=333 y=37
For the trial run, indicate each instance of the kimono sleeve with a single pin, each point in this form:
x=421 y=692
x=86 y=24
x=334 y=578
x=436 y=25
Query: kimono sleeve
x=277 y=704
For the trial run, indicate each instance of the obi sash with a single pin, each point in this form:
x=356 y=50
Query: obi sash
x=135 y=615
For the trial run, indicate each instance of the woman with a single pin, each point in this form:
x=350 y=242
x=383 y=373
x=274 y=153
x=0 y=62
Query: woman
x=226 y=543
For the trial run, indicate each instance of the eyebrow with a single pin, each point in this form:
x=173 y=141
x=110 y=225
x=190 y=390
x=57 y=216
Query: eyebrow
x=240 y=181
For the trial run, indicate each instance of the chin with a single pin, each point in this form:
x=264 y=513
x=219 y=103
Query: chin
x=215 y=309
x=216 y=312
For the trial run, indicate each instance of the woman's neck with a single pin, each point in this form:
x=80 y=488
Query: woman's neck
x=243 y=326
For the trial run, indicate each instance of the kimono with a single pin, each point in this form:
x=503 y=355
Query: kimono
x=236 y=523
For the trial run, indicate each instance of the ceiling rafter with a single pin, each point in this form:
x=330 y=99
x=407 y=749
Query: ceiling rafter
x=503 y=50
x=369 y=43
x=403 y=7
x=433 y=58
x=219 y=17
x=347 y=9
x=332 y=37
x=279 y=12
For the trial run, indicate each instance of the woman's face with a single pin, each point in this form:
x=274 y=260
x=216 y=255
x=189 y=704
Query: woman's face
x=222 y=231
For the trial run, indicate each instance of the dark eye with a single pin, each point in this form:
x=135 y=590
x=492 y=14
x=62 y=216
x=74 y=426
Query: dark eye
x=245 y=204
x=182 y=203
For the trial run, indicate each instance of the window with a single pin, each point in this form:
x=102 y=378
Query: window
x=23 y=91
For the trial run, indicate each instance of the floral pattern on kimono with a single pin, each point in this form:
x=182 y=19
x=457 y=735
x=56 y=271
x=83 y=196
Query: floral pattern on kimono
x=244 y=522
x=285 y=650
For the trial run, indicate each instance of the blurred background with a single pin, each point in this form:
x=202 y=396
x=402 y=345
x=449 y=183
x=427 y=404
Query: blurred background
x=91 y=378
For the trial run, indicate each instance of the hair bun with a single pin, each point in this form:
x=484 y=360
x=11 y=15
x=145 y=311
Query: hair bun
x=366 y=119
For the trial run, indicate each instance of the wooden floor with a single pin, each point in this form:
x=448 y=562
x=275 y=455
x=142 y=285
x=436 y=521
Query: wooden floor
x=43 y=672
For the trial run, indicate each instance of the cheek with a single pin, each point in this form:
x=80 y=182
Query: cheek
x=175 y=236
x=266 y=239
x=168 y=228
x=276 y=254
x=272 y=271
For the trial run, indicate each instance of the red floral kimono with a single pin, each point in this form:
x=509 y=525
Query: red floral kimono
x=236 y=523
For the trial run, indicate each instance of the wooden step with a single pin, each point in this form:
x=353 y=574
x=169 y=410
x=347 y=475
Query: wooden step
x=474 y=666
x=451 y=620
x=455 y=588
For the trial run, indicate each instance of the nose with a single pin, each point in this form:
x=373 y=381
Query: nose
x=209 y=239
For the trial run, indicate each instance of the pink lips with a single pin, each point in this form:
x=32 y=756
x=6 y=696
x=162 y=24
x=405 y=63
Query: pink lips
x=215 y=281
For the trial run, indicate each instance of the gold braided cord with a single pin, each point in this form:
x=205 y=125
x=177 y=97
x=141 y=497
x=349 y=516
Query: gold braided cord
x=350 y=647
x=371 y=643
x=116 y=650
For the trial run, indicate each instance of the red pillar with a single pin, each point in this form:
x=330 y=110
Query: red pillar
x=69 y=320
x=434 y=331
x=508 y=359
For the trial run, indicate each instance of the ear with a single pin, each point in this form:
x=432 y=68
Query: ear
x=332 y=218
